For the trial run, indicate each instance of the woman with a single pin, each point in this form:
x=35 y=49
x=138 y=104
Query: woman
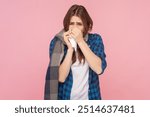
x=73 y=73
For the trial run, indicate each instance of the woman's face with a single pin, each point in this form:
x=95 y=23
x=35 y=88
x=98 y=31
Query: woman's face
x=76 y=22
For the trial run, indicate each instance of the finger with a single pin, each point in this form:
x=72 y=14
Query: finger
x=76 y=31
x=72 y=35
x=68 y=42
x=66 y=34
x=70 y=31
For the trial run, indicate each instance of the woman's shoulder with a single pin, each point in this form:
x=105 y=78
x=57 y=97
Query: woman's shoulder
x=94 y=34
x=95 y=37
x=53 y=40
x=52 y=43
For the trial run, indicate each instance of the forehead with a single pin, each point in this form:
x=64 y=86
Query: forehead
x=75 y=19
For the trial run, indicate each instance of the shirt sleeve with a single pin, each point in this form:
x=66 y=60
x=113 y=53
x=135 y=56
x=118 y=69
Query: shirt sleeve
x=100 y=51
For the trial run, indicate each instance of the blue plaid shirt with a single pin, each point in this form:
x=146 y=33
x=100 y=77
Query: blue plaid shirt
x=95 y=43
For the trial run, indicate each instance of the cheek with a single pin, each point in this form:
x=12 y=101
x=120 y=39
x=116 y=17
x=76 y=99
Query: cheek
x=80 y=27
x=70 y=27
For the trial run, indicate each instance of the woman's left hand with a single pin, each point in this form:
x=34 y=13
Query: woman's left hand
x=77 y=34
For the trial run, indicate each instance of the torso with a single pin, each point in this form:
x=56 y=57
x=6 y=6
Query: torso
x=80 y=86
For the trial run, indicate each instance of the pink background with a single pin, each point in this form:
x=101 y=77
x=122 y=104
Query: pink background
x=27 y=26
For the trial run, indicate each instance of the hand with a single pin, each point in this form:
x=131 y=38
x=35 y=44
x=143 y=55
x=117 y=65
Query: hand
x=76 y=34
x=66 y=39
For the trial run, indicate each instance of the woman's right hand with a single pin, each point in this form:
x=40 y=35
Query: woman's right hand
x=66 y=39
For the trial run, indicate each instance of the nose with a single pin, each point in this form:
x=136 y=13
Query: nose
x=74 y=26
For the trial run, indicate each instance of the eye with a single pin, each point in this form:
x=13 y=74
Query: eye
x=71 y=23
x=80 y=24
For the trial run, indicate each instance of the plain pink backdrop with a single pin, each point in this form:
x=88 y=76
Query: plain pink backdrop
x=27 y=26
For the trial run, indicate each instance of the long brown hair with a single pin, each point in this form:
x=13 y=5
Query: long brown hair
x=81 y=12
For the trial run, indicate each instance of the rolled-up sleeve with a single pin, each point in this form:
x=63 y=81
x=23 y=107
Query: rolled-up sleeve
x=100 y=51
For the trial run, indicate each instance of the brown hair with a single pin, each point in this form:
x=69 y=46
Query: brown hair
x=81 y=12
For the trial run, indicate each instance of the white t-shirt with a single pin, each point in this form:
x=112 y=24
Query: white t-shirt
x=80 y=73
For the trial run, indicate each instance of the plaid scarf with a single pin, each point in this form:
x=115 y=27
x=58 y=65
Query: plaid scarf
x=51 y=83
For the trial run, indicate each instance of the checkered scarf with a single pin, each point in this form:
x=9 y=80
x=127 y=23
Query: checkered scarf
x=51 y=83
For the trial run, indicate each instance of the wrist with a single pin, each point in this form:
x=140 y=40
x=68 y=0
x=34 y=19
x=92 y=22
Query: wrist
x=70 y=50
x=80 y=42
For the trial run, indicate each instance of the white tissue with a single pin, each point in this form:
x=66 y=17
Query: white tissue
x=73 y=43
